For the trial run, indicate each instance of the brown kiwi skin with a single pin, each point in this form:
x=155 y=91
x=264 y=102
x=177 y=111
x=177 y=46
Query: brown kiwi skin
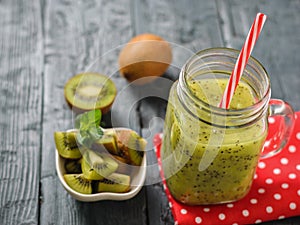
x=144 y=58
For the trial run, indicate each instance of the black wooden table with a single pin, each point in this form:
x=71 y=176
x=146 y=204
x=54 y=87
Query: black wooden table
x=43 y=43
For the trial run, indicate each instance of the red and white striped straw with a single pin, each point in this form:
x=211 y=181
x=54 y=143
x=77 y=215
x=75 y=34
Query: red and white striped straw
x=242 y=60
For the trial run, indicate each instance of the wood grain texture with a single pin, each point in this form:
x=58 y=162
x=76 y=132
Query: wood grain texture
x=21 y=62
x=82 y=36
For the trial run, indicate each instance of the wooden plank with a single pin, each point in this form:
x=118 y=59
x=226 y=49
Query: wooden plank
x=83 y=36
x=189 y=27
x=21 y=62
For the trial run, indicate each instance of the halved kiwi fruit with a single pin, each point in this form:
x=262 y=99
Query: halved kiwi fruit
x=116 y=182
x=79 y=183
x=131 y=146
x=66 y=145
x=96 y=167
x=88 y=91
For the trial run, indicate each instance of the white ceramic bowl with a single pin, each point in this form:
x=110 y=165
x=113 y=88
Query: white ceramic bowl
x=137 y=182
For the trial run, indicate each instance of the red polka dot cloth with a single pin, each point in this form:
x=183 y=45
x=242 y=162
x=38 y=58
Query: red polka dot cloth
x=274 y=195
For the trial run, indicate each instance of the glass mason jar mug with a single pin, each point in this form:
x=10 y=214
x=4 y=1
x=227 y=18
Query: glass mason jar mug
x=209 y=154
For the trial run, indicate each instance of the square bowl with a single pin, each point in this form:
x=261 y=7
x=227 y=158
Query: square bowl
x=137 y=181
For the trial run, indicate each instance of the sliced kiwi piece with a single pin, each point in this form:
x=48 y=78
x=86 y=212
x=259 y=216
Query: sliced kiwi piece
x=116 y=182
x=96 y=167
x=88 y=91
x=124 y=166
x=131 y=146
x=89 y=172
x=107 y=143
x=66 y=145
x=73 y=166
x=79 y=183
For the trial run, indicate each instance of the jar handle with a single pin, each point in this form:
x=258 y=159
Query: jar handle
x=276 y=140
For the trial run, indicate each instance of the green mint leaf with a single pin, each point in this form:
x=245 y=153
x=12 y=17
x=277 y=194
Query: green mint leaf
x=88 y=119
x=84 y=139
x=94 y=117
x=95 y=132
x=89 y=129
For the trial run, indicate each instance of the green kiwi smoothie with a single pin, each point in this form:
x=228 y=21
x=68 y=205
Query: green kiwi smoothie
x=204 y=163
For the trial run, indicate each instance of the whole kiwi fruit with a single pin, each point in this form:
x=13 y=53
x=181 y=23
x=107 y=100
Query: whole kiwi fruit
x=144 y=58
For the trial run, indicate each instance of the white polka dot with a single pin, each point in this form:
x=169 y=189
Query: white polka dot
x=284 y=161
x=271 y=120
x=269 y=181
x=170 y=204
x=176 y=223
x=253 y=201
x=281 y=217
x=293 y=206
x=206 y=209
x=198 y=220
x=229 y=205
x=222 y=216
x=292 y=176
x=258 y=221
x=298 y=135
x=298 y=192
x=261 y=191
x=277 y=196
x=255 y=176
x=235 y=224
x=245 y=213
x=298 y=167
x=276 y=171
x=285 y=186
x=269 y=209
x=292 y=148
x=261 y=165
x=183 y=211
